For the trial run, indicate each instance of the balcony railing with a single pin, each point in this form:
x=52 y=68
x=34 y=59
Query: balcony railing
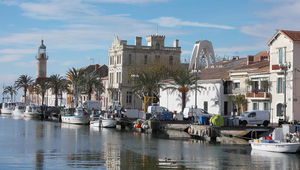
x=258 y=95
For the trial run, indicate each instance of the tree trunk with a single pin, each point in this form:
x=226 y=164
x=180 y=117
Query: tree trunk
x=43 y=98
x=183 y=100
x=25 y=91
x=56 y=99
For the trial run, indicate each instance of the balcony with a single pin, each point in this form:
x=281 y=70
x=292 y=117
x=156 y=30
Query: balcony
x=258 y=96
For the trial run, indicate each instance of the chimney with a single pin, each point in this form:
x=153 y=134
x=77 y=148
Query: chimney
x=175 y=43
x=96 y=66
x=138 y=41
x=250 y=59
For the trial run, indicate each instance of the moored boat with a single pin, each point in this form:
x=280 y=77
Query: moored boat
x=105 y=121
x=79 y=117
x=7 y=108
x=274 y=146
x=18 y=112
x=32 y=112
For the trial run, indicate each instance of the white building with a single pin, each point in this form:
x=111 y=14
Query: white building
x=123 y=58
x=284 y=55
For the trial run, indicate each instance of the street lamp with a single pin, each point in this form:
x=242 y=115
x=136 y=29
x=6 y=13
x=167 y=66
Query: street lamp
x=285 y=67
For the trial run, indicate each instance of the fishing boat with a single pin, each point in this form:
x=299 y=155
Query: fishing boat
x=105 y=121
x=32 y=112
x=18 y=112
x=80 y=117
x=274 y=146
x=7 y=108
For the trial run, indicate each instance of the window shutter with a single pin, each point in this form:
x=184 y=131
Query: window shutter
x=283 y=85
x=277 y=87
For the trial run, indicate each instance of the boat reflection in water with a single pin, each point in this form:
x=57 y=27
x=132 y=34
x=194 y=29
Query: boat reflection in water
x=274 y=161
x=42 y=144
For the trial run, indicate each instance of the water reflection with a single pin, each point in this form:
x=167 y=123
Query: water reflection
x=50 y=145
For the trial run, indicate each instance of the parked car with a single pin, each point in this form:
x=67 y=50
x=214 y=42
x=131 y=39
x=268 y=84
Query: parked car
x=156 y=109
x=191 y=112
x=255 y=117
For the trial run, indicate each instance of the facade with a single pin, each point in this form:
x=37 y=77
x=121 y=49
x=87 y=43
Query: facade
x=285 y=74
x=214 y=97
x=253 y=81
x=124 y=58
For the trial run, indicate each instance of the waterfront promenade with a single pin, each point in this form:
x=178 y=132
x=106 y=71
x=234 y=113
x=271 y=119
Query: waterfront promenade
x=34 y=144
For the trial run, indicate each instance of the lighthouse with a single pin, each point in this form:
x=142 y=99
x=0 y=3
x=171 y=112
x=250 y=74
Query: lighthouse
x=41 y=62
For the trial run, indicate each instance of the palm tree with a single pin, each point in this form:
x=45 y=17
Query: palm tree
x=91 y=82
x=41 y=88
x=240 y=101
x=23 y=82
x=147 y=84
x=57 y=83
x=183 y=82
x=11 y=90
x=75 y=76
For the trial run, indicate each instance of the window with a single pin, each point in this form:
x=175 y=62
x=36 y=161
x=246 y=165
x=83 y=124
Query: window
x=119 y=59
x=118 y=77
x=157 y=46
x=266 y=106
x=279 y=109
x=237 y=85
x=111 y=78
x=171 y=60
x=205 y=106
x=111 y=60
x=145 y=59
x=157 y=57
x=129 y=59
x=254 y=85
x=280 y=55
x=280 y=85
x=255 y=106
x=129 y=97
x=252 y=114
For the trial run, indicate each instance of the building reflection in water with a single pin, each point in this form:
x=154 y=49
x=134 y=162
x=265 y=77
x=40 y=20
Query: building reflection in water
x=39 y=159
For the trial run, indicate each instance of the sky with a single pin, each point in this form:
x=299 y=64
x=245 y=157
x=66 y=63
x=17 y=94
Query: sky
x=78 y=33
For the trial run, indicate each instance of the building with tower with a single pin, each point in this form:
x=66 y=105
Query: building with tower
x=124 y=57
x=41 y=62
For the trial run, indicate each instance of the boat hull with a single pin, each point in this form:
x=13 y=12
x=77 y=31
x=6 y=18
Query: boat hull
x=276 y=147
x=32 y=115
x=108 y=123
x=6 y=111
x=82 y=120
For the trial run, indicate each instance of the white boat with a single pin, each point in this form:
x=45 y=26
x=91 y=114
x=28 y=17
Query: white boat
x=32 y=111
x=105 y=121
x=79 y=117
x=7 y=108
x=18 y=112
x=282 y=147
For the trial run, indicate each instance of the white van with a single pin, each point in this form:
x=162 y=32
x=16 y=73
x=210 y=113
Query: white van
x=189 y=112
x=255 y=117
x=156 y=109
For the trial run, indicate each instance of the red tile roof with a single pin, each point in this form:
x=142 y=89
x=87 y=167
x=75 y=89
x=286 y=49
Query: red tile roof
x=294 y=35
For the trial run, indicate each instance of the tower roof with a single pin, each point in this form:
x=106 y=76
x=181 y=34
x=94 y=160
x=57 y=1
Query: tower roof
x=42 y=46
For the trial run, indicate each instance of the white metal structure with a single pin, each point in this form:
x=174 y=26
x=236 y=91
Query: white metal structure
x=203 y=56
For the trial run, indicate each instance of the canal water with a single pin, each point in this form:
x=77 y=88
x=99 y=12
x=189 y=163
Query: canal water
x=31 y=144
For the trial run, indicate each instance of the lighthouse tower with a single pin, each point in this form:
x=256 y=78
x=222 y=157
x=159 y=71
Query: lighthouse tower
x=41 y=62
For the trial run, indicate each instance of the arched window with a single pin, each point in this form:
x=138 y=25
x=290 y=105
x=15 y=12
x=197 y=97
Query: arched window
x=171 y=60
x=279 y=109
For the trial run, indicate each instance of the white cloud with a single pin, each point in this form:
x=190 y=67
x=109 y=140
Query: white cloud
x=18 y=51
x=174 y=22
x=9 y=58
x=8 y=79
x=26 y=64
x=70 y=63
x=240 y=49
x=128 y=1
x=282 y=15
